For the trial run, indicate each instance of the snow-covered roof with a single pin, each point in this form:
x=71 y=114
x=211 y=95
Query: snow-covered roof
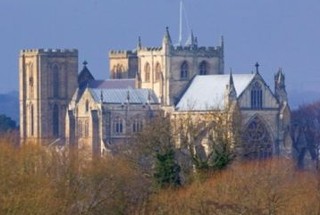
x=120 y=96
x=207 y=91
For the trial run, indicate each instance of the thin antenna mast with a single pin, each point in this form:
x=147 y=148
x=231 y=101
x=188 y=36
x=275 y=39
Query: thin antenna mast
x=180 y=30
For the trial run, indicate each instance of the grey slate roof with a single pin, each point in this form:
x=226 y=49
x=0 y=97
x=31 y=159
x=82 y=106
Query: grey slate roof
x=112 y=84
x=120 y=96
x=206 y=92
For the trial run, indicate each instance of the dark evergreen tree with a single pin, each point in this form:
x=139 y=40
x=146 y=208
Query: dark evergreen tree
x=167 y=170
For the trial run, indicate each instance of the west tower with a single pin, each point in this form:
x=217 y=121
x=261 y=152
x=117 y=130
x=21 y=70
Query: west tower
x=48 y=79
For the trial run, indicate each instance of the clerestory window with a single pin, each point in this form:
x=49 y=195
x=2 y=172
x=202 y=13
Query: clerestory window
x=203 y=68
x=184 y=70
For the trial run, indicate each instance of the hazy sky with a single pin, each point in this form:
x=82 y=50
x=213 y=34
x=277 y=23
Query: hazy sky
x=276 y=33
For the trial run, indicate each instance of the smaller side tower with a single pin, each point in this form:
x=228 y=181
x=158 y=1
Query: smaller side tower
x=280 y=87
x=123 y=64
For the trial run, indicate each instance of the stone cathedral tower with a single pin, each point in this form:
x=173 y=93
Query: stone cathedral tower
x=48 y=79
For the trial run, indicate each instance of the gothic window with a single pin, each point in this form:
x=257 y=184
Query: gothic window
x=203 y=68
x=147 y=72
x=55 y=121
x=257 y=140
x=117 y=72
x=55 y=78
x=184 y=70
x=256 y=96
x=87 y=106
x=158 y=72
x=137 y=125
x=32 y=120
x=118 y=126
x=31 y=80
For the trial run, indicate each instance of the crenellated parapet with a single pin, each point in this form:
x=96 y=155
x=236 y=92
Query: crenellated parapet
x=63 y=52
x=199 y=51
x=122 y=53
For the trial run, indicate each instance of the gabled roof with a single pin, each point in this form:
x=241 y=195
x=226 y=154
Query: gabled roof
x=206 y=92
x=121 y=96
x=85 y=75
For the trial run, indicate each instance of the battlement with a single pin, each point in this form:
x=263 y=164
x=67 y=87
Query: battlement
x=50 y=51
x=151 y=48
x=122 y=53
x=202 y=48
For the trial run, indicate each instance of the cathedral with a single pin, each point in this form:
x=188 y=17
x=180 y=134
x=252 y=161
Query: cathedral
x=59 y=105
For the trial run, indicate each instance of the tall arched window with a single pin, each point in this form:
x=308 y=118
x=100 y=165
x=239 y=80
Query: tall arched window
x=184 y=70
x=256 y=96
x=87 y=105
x=158 y=72
x=117 y=71
x=147 y=72
x=257 y=140
x=32 y=120
x=118 y=126
x=137 y=125
x=55 y=78
x=55 y=121
x=31 y=81
x=203 y=68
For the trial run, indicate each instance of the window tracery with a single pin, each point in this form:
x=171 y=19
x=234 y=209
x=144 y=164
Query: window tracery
x=257 y=140
x=137 y=125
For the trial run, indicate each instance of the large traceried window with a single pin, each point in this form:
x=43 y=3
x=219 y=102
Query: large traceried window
x=137 y=125
x=184 y=70
x=158 y=72
x=55 y=78
x=118 y=126
x=257 y=140
x=203 y=68
x=256 y=96
x=147 y=72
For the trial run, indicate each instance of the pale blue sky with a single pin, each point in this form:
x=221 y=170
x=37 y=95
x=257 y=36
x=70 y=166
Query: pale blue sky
x=277 y=33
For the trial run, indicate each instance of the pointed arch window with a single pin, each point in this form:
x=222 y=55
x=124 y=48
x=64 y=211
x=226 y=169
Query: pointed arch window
x=184 y=70
x=256 y=96
x=87 y=106
x=55 y=78
x=118 y=126
x=55 y=121
x=203 y=68
x=158 y=72
x=137 y=125
x=32 y=120
x=147 y=72
x=117 y=71
x=257 y=140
